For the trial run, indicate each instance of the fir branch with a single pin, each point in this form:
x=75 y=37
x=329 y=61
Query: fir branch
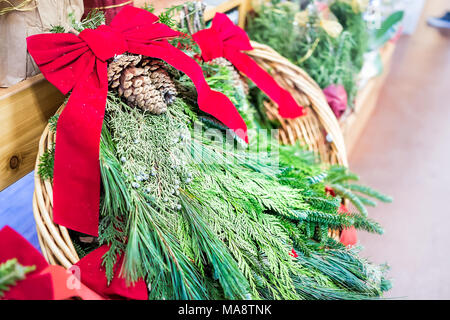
x=318 y=178
x=366 y=201
x=324 y=204
x=47 y=160
x=339 y=174
x=83 y=249
x=148 y=7
x=368 y=191
x=332 y=220
x=347 y=194
x=368 y=225
x=94 y=19
x=168 y=16
x=46 y=163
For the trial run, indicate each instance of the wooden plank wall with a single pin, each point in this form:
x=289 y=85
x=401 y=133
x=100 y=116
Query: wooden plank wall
x=24 y=111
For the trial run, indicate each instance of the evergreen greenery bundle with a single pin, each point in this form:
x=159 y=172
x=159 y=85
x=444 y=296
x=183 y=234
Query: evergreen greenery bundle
x=205 y=220
x=198 y=215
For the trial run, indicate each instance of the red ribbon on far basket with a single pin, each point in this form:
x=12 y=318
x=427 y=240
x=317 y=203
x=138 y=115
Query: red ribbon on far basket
x=78 y=63
x=225 y=39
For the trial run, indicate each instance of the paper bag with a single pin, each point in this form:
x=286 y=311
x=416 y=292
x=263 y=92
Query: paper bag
x=23 y=18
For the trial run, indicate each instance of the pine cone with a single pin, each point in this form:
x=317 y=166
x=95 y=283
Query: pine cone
x=143 y=82
x=238 y=79
x=116 y=66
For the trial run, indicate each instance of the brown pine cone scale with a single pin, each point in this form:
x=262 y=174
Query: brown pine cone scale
x=143 y=82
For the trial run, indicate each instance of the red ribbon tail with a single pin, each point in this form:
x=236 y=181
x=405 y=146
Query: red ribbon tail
x=227 y=114
x=287 y=106
x=76 y=179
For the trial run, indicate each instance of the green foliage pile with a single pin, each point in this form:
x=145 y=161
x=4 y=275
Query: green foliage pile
x=353 y=23
x=11 y=272
x=206 y=220
x=326 y=59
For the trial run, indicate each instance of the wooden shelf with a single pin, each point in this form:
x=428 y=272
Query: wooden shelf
x=353 y=124
x=24 y=111
x=242 y=5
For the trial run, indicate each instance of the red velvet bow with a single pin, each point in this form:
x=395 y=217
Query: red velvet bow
x=78 y=63
x=56 y=283
x=224 y=39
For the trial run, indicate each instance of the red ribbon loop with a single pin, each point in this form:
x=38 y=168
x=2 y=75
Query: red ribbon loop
x=225 y=39
x=105 y=42
x=210 y=52
x=78 y=64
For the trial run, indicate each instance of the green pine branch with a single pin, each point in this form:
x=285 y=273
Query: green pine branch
x=46 y=164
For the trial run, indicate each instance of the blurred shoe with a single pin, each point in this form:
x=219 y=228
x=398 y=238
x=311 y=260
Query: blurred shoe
x=440 y=23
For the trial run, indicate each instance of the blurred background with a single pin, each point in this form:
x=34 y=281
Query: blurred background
x=405 y=150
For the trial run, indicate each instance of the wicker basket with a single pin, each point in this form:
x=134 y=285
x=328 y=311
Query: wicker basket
x=312 y=130
x=55 y=242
